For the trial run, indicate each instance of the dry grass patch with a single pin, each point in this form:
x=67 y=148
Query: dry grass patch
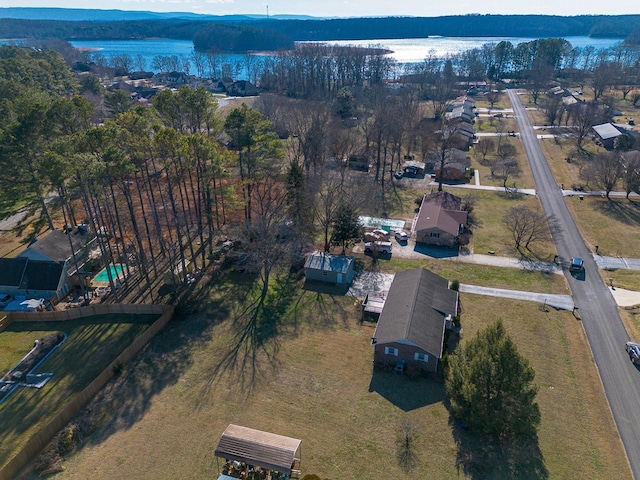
x=610 y=224
x=631 y=319
x=91 y=345
x=493 y=125
x=317 y=385
x=490 y=232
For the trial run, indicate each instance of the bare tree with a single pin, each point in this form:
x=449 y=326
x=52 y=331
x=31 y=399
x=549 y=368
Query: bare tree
x=605 y=170
x=583 y=116
x=553 y=108
x=504 y=169
x=527 y=227
x=631 y=175
x=485 y=146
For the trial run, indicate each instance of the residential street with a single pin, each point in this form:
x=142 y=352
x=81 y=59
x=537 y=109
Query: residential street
x=597 y=309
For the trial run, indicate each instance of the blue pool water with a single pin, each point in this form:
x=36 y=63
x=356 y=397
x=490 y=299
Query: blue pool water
x=102 y=275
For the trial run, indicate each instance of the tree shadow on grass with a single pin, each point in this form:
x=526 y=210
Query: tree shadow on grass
x=480 y=457
x=258 y=324
x=623 y=211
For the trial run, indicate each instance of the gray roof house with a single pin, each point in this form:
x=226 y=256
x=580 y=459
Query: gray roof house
x=56 y=247
x=606 y=133
x=34 y=278
x=410 y=331
x=326 y=267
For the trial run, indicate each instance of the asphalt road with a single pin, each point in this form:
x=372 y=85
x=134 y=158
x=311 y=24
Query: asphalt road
x=596 y=307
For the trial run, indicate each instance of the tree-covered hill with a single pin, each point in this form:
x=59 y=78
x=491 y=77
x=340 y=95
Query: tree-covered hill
x=245 y=33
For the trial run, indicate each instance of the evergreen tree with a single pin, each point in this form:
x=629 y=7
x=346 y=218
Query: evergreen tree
x=346 y=226
x=490 y=386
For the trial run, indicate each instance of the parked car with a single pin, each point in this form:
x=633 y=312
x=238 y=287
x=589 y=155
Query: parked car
x=633 y=349
x=380 y=247
x=401 y=236
x=576 y=265
x=498 y=115
x=381 y=233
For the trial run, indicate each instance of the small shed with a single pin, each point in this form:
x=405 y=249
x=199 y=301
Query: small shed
x=606 y=133
x=258 y=448
x=326 y=267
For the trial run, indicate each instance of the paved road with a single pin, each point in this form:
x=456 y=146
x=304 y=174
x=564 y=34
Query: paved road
x=602 y=323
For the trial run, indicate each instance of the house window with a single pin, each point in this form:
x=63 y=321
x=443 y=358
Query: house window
x=434 y=235
x=421 y=357
x=390 y=351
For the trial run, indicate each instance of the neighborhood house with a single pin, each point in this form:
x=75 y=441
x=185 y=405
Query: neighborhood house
x=410 y=330
x=440 y=220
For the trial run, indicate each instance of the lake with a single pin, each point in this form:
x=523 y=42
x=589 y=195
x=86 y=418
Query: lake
x=409 y=50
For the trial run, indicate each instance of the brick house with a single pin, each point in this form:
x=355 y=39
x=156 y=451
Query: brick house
x=417 y=311
x=440 y=220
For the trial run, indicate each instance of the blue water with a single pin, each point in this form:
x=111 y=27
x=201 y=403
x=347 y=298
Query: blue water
x=407 y=50
x=102 y=276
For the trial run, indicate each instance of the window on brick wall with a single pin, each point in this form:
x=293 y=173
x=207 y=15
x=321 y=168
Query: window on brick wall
x=421 y=357
x=391 y=351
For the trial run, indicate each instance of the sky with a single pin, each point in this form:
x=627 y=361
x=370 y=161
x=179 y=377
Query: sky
x=350 y=8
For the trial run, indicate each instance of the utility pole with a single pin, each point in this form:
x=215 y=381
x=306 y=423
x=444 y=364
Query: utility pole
x=267 y=11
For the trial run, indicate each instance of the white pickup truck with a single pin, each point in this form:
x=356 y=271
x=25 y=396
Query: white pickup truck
x=379 y=246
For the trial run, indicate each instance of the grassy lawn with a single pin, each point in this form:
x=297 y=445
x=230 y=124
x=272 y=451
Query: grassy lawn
x=91 y=345
x=496 y=277
x=558 y=150
x=493 y=125
x=309 y=375
x=631 y=319
x=491 y=234
x=607 y=223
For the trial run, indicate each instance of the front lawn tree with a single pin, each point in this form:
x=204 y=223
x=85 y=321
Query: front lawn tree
x=527 y=226
x=605 y=170
x=491 y=387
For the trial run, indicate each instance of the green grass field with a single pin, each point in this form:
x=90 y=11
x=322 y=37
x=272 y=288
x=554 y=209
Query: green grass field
x=91 y=345
x=307 y=372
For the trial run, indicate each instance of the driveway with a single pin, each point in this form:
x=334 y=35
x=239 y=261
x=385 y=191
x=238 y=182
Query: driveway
x=378 y=283
x=604 y=328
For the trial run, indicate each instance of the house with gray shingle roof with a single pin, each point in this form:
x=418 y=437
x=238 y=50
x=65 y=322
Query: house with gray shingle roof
x=418 y=309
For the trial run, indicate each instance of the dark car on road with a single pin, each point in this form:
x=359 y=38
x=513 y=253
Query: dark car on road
x=576 y=265
x=633 y=349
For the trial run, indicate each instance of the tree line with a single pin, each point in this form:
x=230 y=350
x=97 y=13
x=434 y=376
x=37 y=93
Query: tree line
x=247 y=34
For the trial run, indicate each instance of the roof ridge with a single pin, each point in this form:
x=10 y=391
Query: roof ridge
x=414 y=298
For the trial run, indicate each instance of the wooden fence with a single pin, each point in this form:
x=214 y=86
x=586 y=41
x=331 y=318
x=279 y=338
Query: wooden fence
x=90 y=311
x=5 y=321
x=41 y=439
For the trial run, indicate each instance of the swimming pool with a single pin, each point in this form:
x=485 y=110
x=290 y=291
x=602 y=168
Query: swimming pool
x=103 y=277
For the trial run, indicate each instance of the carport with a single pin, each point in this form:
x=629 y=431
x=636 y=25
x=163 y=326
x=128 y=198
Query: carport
x=274 y=453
